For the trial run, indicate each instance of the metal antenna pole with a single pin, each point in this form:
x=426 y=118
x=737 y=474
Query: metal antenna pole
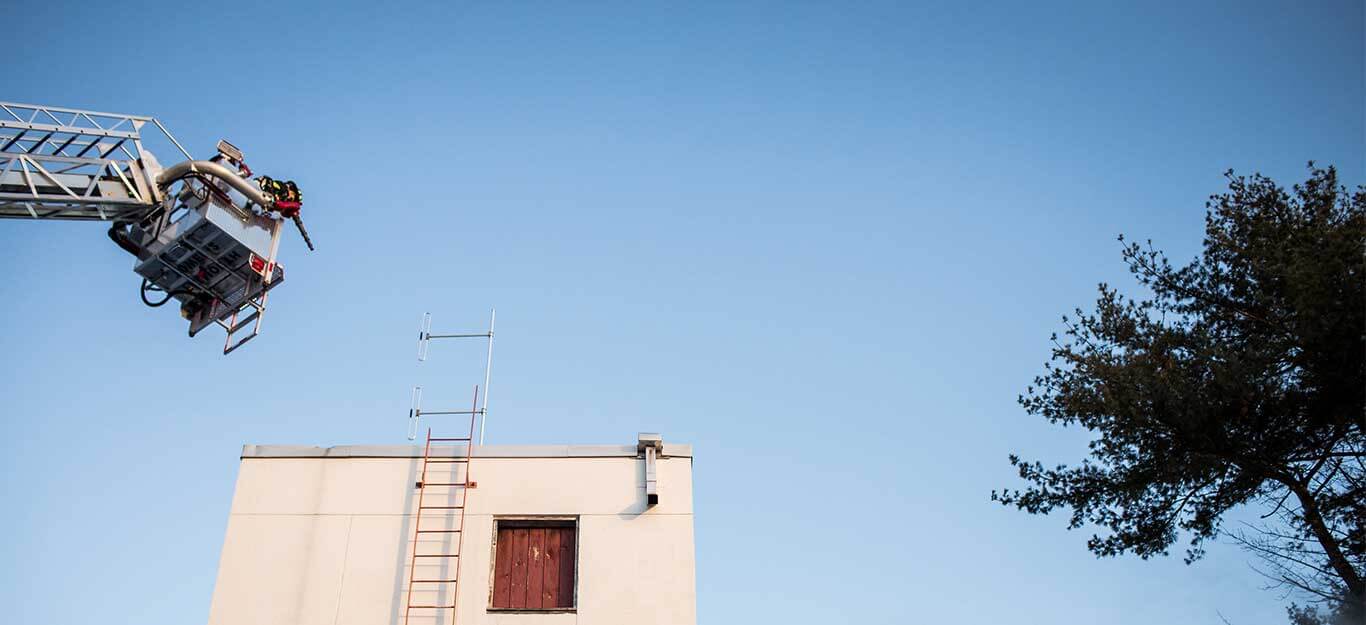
x=488 y=369
x=424 y=340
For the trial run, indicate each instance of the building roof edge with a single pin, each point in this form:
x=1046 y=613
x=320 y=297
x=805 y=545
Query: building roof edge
x=484 y=451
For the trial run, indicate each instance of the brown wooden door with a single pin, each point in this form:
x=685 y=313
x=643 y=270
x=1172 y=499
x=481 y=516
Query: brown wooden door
x=534 y=566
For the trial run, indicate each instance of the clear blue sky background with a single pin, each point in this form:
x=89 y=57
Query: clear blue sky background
x=824 y=244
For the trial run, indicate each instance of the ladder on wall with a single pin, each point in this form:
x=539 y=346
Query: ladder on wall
x=445 y=518
x=442 y=493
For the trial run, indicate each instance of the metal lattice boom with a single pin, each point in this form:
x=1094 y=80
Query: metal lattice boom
x=69 y=164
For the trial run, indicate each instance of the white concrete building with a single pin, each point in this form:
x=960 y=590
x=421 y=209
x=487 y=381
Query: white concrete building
x=551 y=535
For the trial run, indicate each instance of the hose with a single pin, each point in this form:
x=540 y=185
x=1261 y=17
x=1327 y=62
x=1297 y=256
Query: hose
x=147 y=286
x=119 y=235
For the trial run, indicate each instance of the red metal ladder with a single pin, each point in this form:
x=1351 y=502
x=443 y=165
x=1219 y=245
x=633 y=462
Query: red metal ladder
x=445 y=558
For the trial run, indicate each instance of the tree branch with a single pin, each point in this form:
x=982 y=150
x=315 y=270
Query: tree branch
x=1341 y=565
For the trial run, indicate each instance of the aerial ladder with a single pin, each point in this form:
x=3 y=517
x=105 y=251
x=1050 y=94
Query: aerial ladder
x=204 y=233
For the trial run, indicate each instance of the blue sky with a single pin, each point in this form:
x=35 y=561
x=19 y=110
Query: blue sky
x=824 y=244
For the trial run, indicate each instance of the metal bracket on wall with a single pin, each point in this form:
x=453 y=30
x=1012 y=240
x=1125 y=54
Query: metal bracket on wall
x=650 y=445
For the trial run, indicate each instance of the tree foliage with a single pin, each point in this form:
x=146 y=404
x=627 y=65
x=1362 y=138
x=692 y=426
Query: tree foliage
x=1240 y=378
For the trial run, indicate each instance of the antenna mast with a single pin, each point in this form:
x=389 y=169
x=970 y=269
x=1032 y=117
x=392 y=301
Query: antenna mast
x=424 y=342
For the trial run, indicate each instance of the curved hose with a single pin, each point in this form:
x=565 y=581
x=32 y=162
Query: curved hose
x=145 y=289
x=212 y=169
x=118 y=233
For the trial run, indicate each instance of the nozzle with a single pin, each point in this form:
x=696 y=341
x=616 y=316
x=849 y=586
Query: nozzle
x=299 y=223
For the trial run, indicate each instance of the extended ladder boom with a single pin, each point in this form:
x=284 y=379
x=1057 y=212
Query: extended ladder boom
x=59 y=163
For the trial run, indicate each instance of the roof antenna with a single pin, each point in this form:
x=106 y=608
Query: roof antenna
x=424 y=341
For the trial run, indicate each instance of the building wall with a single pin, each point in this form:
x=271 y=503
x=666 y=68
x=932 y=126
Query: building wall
x=323 y=536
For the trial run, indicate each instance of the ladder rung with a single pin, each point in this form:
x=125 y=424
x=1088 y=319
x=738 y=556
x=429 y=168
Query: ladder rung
x=437 y=555
x=448 y=460
x=438 y=531
x=440 y=507
x=445 y=484
x=432 y=607
x=435 y=581
x=449 y=439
